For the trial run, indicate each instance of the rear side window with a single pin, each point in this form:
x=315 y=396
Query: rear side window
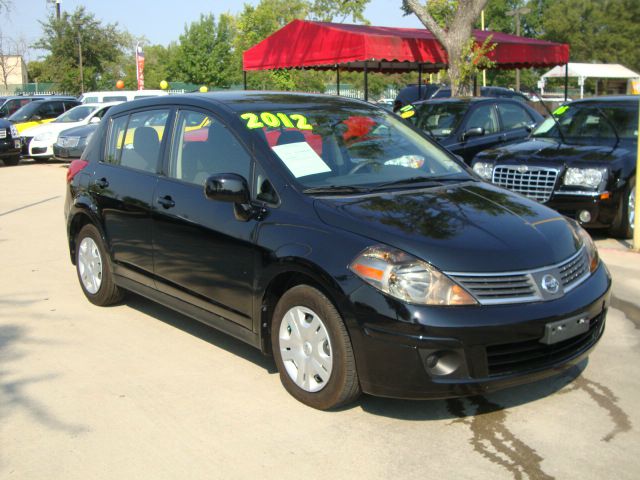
x=203 y=146
x=134 y=140
x=513 y=116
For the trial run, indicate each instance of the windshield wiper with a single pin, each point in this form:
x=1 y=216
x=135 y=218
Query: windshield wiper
x=332 y=189
x=553 y=117
x=433 y=180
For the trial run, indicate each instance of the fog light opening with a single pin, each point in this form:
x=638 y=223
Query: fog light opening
x=584 y=216
x=442 y=363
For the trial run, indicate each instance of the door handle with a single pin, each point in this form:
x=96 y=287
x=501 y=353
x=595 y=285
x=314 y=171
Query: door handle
x=166 y=201
x=102 y=183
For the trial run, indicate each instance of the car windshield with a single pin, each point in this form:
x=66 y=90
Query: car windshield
x=589 y=120
x=76 y=114
x=24 y=113
x=440 y=119
x=352 y=147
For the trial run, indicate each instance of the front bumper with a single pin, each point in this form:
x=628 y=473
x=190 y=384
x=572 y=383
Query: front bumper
x=601 y=210
x=10 y=147
x=39 y=149
x=67 y=153
x=408 y=351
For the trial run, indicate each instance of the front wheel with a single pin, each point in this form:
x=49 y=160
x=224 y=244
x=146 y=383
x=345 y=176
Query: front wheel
x=11 y=161
x=93 y=268
x=312 y=349
x=625 y=218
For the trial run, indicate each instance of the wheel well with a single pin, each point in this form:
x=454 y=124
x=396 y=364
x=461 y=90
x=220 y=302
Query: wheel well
x=278 y=286
x=77 y=223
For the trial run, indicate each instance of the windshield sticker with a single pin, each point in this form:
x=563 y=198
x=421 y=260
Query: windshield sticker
x=407 y=111
x=301 y=159
x=275 y=120
x=560 y=110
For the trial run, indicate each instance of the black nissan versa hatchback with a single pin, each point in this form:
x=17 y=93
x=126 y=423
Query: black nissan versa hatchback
x=329 y=233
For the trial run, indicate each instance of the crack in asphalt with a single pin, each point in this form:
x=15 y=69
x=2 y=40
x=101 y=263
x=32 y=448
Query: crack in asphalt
x=604 y=398
x=630 y=310
x=28 y=206
x=494 y=441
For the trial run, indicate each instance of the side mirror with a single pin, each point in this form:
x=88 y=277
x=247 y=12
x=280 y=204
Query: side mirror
x=473 y=132
x=531 y=127
x=95 y=120
x=227 y=187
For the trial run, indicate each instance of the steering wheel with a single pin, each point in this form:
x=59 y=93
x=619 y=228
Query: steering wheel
x=362 y=165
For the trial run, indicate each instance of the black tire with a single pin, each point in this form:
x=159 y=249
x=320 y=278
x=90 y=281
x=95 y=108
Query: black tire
x=341 y=386
x=11 y=161
x=622 y=227
x=107 y=292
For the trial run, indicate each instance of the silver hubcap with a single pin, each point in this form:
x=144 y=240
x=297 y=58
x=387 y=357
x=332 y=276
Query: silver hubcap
x=632 y=207
x=90 y=265
x=305 y=349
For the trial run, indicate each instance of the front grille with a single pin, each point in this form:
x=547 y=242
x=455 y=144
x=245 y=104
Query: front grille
x=500 y=288
x=574 y=271
x=519 y=287
x=68 y=142
x=3 y=133
x=38 y=150
x=530 y=355
x=536 y=182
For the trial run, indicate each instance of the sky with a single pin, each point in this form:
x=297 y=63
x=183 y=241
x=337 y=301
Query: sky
x=160 y=21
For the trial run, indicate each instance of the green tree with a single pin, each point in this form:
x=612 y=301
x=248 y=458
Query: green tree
x=601 y=31
x=331 y=11
x=205 y=52
x=101 y=46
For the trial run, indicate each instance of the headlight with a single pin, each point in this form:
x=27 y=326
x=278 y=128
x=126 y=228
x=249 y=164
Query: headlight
x=14 y=131
x=44 y=137
x=408 y=278
x=590 y=247
x=585 y=177
x=484 y=169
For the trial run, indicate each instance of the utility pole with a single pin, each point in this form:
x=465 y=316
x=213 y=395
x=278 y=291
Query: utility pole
x=80 y=61
x=516 y=13
x=58 y=9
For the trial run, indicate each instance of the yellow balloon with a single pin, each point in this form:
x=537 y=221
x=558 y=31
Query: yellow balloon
x=164 y=85
x=203 y=89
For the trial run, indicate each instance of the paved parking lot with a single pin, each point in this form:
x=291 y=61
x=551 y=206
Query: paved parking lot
x=138 y=391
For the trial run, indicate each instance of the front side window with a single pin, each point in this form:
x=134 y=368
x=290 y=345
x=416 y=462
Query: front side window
x=440 y=119
x=203 y=146
x=484 y=116
x=513 y=116
x=343 y=148
x=134 y=140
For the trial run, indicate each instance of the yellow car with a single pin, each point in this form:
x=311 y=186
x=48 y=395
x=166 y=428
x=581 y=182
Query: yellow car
x=43 y=111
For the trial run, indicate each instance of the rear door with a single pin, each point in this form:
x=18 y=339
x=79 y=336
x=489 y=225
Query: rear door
x=123 y=186
x=202 y=253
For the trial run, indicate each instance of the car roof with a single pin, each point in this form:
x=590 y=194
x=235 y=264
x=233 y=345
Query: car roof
x=241 y=101
x=609 y=99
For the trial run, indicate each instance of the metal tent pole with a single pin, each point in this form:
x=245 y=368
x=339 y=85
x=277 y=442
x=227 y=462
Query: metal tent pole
x=244 y=79
x=566 y=81
x=366 y=83
x=337 y=80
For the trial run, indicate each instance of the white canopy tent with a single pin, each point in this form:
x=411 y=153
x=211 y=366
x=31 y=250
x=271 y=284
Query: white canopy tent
x=590 y=70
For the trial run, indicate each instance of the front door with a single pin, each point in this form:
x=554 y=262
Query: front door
x=483 y=116
x=202 y=253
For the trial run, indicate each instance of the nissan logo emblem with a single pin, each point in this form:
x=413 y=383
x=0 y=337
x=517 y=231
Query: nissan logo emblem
x=550 y=284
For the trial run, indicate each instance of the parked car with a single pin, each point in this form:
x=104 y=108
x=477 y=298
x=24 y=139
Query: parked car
x=353 y=248
x=43 y=111
x=414 y=93
x=466 y=126
x=583 y=165
x=72 y=142
x=119 y=95
x=38 y=141
x=496 y=92
x=9 y=105
x=9 y=143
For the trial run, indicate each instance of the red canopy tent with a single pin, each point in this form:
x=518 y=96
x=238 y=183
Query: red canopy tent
x=321 y=45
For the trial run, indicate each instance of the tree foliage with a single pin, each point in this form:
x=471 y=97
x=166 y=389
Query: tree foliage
x=102 y=49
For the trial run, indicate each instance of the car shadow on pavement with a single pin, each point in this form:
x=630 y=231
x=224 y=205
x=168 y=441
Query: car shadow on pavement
x=200 y=330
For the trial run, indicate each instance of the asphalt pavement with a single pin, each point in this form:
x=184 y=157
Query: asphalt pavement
x=136 y=391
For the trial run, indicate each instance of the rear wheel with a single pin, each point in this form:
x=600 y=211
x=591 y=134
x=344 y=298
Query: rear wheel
x=312 y=349
x=11 y=161
x=93 y=268
x=625 y=218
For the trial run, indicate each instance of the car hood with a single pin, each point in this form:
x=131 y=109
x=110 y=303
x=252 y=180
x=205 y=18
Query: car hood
x=48 y=127
x=468 y=227
x=545 y=150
